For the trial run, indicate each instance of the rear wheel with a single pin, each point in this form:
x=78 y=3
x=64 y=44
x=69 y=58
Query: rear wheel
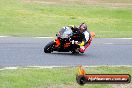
x=75 y=51
x=49 y=47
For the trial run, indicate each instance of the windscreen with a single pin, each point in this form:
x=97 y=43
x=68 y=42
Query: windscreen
x=65 y=32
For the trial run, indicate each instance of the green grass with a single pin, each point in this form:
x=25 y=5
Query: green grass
x=55 y=78
x=18 y=18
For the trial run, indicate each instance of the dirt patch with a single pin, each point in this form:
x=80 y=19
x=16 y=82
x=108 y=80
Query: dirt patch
x=53 y=85
x=112 y=3
x=39 y=1
x=122 y=85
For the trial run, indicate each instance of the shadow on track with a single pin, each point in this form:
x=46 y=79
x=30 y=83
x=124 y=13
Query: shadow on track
x=67 y=54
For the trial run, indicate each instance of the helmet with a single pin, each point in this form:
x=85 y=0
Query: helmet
x=83 y=27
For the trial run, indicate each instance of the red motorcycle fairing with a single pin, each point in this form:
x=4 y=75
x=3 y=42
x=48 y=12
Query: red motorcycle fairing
x=57 y=41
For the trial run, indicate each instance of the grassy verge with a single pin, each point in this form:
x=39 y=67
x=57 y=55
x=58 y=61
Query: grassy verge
x=19 y=18
x=56 y=77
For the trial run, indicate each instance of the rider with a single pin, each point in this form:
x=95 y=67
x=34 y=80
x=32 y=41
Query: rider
x=86 y=36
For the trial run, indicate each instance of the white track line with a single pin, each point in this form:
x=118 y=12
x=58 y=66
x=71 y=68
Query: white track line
x=43 y=67
x=53 y=37
x=108 y=43
x=119 y=38
x=3 y=36
x=24 y=37
x=42 y=37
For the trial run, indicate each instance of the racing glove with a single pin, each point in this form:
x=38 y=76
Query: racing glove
x=81 y=44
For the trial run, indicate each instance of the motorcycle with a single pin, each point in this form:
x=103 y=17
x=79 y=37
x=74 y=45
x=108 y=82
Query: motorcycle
x=66 y=41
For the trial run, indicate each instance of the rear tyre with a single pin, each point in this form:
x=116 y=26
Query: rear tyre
x=49 y=47
x=75 y=52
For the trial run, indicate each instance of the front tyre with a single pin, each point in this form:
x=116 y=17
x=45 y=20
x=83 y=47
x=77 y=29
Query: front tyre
x=49 y=47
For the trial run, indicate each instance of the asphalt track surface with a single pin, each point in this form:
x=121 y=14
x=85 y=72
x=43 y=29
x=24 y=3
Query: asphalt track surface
x=17 y=51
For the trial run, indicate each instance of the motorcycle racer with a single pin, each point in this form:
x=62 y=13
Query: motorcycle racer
x=85 y=35
x=71 y=39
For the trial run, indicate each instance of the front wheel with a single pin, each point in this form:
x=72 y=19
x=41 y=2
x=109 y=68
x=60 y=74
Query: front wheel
x=49 y=47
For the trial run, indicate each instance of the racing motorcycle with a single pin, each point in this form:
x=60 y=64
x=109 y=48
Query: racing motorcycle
x=66 y=41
